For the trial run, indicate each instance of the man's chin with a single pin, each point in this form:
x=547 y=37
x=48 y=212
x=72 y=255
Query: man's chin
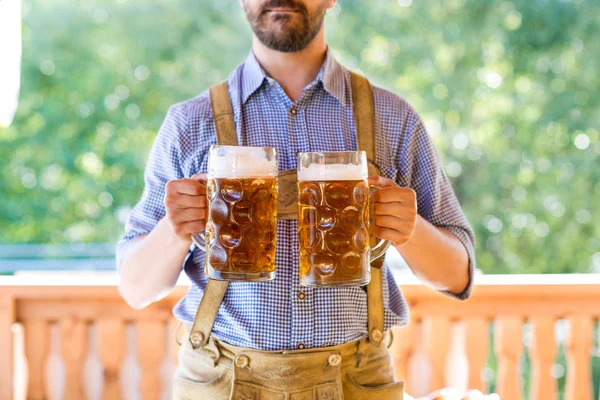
x=281 y=29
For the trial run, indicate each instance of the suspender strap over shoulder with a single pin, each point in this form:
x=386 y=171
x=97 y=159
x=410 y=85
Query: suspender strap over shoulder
x=364 y=109
x=364 y=114
x=223 y=115
x=215 y=290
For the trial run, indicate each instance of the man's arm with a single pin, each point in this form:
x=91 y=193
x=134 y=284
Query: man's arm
x=432 y=232
x=152 y=263
x=435 y=255
x=157 y=240
x=151 y=266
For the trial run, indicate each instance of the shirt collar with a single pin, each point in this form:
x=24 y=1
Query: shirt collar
x=253 y=77
x=334 y=81
x=331 y=75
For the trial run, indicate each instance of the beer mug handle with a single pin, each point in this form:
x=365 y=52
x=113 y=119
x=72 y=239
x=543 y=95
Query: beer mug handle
x=199 y=239
x=382 y=246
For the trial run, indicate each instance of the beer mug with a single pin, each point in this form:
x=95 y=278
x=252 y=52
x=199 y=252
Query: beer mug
x=241 y=225
x=333 y=219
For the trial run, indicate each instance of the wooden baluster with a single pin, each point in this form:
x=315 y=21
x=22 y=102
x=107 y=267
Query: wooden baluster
x=578 y=349
x=151 y=343
x=543 y=355
x=74 y=343
x=508 y=344
x=402 y=347
x=477 y=348
x=174 y=332
x=7 y=319
x=111 y=333
x=436 y=346
x=37 y=345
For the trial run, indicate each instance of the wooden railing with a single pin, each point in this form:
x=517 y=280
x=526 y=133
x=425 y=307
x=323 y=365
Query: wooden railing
x=81 y=340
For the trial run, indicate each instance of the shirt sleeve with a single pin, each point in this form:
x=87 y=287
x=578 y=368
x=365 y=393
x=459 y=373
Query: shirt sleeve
x=420 y=168
x=164 y=164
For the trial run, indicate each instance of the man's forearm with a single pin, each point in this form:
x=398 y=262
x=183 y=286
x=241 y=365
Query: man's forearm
x=437 y=257
x=151 y=265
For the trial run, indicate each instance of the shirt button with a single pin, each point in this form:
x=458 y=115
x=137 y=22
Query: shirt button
x=271 y=83
x=293 y=111
x=301 y=346
x=301 y=296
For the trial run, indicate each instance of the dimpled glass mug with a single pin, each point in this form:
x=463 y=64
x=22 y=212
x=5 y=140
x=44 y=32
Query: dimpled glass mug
x=333 y=219
x=241 y=225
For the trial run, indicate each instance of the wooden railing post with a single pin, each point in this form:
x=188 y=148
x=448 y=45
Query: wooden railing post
x=7 y=319
x=507 y=345
x=437 y=331
x=543 y=355
x=402 y=348
x=151 y=349
x=111 y=333
x=37 y=347
x=74 y=343
x=578 y=348
x=477 y=348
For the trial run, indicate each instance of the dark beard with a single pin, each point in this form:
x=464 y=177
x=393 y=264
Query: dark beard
x=286 y=39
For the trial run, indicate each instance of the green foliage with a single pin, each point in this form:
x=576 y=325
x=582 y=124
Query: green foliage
x=508 y=90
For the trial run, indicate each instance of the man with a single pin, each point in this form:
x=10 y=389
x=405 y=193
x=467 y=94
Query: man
x=291 y=94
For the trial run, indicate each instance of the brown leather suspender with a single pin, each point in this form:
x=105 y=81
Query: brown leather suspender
x=362 y=96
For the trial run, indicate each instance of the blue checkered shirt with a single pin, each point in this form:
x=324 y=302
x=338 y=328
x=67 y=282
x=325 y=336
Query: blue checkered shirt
x=271 y=315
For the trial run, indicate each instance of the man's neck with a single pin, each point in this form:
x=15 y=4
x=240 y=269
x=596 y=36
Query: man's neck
x=293 y=71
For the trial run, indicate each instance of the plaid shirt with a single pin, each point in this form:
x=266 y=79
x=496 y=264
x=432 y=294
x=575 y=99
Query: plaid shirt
x=272 y=315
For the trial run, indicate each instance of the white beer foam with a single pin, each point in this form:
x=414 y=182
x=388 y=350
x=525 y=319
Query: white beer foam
x=242 y=162
x=333 y=172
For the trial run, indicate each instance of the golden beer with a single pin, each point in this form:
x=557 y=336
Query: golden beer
x=333 y=231
x=333 y=219
x=241 y=225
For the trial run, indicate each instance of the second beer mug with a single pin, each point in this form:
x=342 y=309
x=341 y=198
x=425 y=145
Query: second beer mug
x=333 y=219
x=240 y=235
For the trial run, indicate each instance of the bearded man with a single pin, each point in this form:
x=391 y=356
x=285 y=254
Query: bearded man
x=278 y=339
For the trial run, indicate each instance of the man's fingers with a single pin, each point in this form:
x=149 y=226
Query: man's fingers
x=403 y=211
x=397 y=223
x=188 y=215
x=188 y=228
x=186 y=186
x=200 y=177
x=381 y=181
x=391 y=209
x=395 y=236
x=182 y=201
x=394 y=195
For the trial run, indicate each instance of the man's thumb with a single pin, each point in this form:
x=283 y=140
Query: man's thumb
x=200 y=177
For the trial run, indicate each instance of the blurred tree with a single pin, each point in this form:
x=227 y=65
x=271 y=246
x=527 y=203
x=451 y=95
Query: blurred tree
x=508 y=90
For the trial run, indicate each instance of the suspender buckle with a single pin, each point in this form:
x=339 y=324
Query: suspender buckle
x=287 y=207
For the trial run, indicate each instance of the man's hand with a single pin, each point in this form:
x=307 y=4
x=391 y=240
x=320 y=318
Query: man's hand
x=395 y=211
x=185 y=203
